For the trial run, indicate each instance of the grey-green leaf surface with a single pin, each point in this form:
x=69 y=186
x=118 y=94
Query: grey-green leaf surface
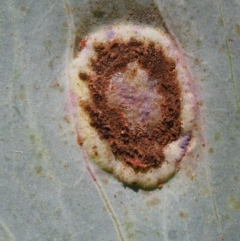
x=46 y=191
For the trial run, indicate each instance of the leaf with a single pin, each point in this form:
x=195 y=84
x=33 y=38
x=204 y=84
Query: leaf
x=46 y=190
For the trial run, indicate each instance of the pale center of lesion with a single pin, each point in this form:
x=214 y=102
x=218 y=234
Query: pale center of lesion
x=136 y=95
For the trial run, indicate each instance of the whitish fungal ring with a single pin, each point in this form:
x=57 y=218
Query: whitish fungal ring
x=133 y=104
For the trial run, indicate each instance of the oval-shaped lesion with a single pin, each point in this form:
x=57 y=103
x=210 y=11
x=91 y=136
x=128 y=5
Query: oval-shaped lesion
x=131 y=96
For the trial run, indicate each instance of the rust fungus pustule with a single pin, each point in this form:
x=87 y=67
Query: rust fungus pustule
x=135 y=100
x=133 y=103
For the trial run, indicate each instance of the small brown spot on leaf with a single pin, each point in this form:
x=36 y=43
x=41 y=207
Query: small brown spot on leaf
x=79 y=141
x=83 y=76
x=237 y=29
x=183 y=215
x=66 y=165
x=66 y=119
x=38 y=170
x=153 y=202
x=211 y=150
x=82 y=44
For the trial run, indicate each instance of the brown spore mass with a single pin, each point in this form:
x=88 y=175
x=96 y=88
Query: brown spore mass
x=82 y=76
x=141 y=148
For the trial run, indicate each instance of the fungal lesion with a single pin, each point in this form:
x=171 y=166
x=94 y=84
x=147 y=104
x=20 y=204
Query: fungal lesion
x=133 y=117
x=132 y=106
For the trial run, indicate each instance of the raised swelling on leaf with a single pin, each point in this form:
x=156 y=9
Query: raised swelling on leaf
x=133 y=104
